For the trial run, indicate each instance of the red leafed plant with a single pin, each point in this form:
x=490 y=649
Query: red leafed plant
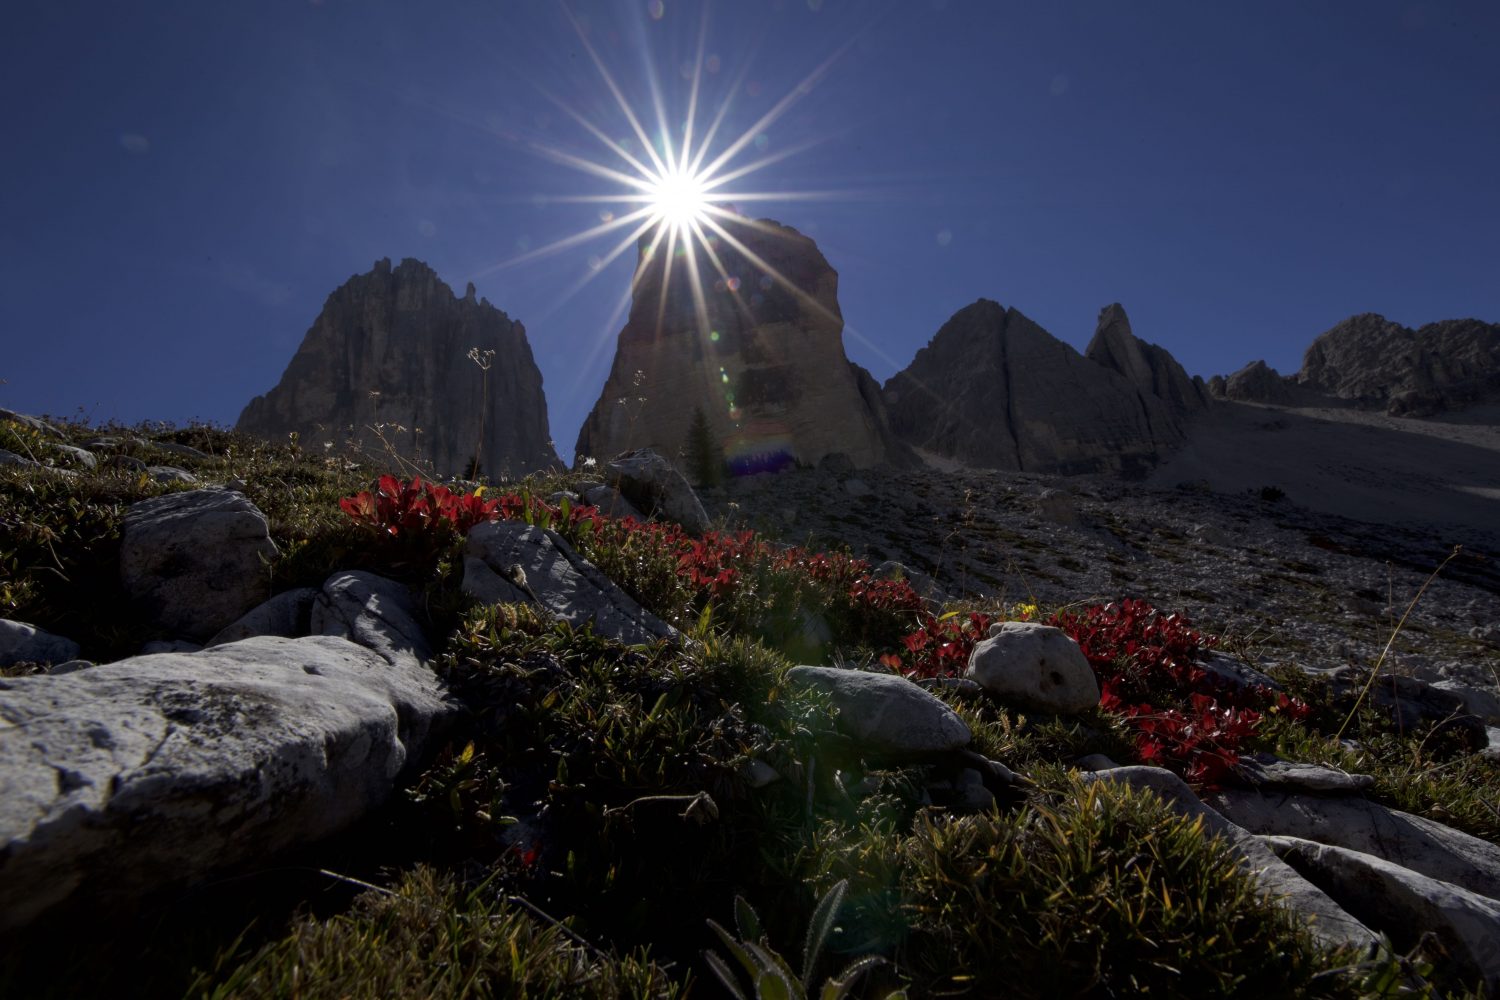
x=397 y=508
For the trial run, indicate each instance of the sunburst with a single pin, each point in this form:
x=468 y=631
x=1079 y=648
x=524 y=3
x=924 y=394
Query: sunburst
x=680 y=189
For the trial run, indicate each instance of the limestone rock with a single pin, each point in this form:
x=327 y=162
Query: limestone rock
x=1035 y=666
x=374 y=612
x=611 y=503
x=1257 y=382
x=1377 y=363
x=154 y=771
x=288 y=614
x=1330 y=923
x=23 y=643
x=1150 y=368
x=995 y=390
x=391 y=348
x=1476 y=701
x=195 y=561
x=885 y=714
x=1265 y=770
x=1409 y=841
x=34 y=423
x=1404 y=904
x=511 y=562
x=764 y=361
x=653 y=485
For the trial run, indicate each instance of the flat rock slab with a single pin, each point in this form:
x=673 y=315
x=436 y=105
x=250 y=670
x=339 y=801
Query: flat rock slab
x=1330 y=923
x=1412 y=842
x=1264 y=770
x=1404 y=904
x=515 y=563
x=886 y=714
x=195 y=561
x=153 y=771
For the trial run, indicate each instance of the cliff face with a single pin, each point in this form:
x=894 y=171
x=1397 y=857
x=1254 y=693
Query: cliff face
x=995 y=390
x=1149 y=368
x=749 y=331
x=389 y=355
x=1374 y=362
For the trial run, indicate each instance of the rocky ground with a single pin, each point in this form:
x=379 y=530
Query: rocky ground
x=1277 y=581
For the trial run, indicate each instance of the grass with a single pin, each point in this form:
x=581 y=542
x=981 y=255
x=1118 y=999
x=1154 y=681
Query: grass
x=601 y=804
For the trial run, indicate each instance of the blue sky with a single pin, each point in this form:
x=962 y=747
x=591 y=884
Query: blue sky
x=181 y=185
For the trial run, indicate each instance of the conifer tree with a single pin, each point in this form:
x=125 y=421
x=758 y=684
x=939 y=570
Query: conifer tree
x=705 y=456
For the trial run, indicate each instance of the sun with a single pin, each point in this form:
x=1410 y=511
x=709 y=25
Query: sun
x=677 y=188
x=678 y=198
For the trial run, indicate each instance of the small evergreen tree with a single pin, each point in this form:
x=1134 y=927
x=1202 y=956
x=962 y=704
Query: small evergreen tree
x=705 y=456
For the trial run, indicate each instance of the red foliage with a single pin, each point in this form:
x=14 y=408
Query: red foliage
x=1183 y=717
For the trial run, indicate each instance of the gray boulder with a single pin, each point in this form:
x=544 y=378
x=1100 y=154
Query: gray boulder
x=1413 y=842
x=374 y=612
x=170 y=474
x=512 y=562
x=11 y=458
x=23 y=643
x=288 y=614
x=1404 y=904
x=180 y=450
x=157 y=770
x=1035 y=666
x=611 y=503
x=1232 y=671
x=1475 y=701
x=77 y=456
x=1264 y=770
x=193 y=562
x=887 y=715
x=651 y=483
x=1329 y=922
x=35 y=423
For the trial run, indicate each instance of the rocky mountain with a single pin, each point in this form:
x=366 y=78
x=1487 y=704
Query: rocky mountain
x=748 y=331
x=1258 y=382
x=1151 y=368
x=994 y=390
x=390 y=356
x=1380 y=364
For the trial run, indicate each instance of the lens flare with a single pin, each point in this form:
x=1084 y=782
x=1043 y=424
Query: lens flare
x=678 y=198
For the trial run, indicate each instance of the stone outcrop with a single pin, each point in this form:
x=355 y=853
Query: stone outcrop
x=1377 y=363
x=887 y=714
x=995 y=390
x=390 y=351
x=1380 y=893
x=1151 y=369
x=126 y=778
x=650 y=483
x=193 y=562
x=747 y=330
x=517 y=563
